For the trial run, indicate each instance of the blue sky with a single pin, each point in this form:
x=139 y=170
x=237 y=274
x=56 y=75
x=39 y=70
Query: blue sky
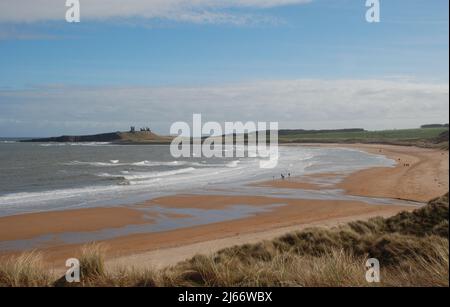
x=49 y=65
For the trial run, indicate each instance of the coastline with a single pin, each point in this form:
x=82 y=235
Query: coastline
x=421 y=181
x=424 y=178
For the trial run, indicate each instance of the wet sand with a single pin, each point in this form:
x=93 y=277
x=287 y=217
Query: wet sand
x=306 y=182
x=424 y=179
x=294 y=215
x=31 y=225
x=291 y=183
x=182 y=250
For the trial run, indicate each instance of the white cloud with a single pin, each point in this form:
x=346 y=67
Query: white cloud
x=17 y=11
x=315 y=104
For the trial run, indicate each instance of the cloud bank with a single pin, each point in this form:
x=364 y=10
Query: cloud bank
x=197 y=11
x=312 y=104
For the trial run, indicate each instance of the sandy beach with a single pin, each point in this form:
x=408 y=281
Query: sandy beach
x=420 y=175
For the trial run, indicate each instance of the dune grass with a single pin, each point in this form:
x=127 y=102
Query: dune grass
x=412 y=248
x=26 y=270
x=92 y=261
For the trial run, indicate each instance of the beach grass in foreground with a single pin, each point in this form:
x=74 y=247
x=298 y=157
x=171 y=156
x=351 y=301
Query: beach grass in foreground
x=412 y=248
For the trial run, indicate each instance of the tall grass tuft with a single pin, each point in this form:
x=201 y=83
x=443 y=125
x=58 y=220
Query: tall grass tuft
x=26 y=270
x=92 y=263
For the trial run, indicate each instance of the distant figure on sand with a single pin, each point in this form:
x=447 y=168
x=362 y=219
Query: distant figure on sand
x=282 y=176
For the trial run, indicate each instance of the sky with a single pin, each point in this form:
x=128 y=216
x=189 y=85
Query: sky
x=313 y=64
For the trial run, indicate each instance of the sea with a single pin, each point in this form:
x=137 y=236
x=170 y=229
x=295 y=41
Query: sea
x=37 y=177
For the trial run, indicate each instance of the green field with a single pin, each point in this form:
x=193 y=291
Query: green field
x=389 y=136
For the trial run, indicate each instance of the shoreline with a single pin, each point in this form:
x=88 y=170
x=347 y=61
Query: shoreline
x=425 y=177
x=422 y=181
x=421 y=174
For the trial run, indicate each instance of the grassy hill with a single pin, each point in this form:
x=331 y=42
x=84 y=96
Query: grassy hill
x=420 y=137
x=138 y=137
x=425 y=137
x=144 y=137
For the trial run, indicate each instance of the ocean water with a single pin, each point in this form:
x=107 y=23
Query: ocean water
x=55 y=176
